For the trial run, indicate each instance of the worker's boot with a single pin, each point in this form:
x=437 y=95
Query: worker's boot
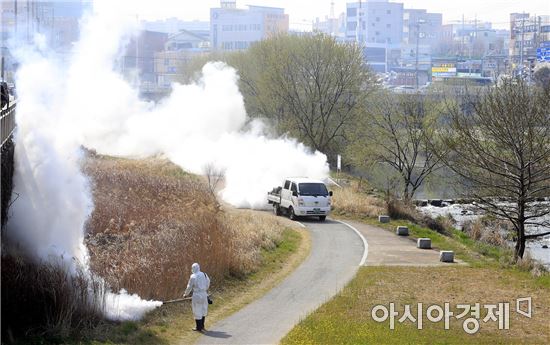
x=202 y=323
x=197 y=325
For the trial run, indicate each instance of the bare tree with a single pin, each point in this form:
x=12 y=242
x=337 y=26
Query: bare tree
x=396 y=134
x=214 y=176
x=500 y=146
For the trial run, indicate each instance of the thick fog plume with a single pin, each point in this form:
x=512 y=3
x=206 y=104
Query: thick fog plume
x=80 y=100
x=198 y=125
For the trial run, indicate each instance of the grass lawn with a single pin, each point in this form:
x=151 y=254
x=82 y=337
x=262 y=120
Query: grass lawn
x=346 y=319
x=172 y=323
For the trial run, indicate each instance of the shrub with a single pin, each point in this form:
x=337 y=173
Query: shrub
x=398 y=209
x=487 y=230
x=349 y=200
x=45 y=300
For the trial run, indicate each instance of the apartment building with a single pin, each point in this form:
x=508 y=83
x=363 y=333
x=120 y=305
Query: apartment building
x=232 y=28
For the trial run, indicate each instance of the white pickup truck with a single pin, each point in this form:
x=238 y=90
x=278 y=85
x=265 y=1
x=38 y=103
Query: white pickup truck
x=301 y=197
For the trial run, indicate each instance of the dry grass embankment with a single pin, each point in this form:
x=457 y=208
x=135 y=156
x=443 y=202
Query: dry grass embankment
x=152 y=221
x=353 y=201
x=42 y=300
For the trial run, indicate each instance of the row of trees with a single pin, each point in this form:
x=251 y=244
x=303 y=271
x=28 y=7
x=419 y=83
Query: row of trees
x=495 y=141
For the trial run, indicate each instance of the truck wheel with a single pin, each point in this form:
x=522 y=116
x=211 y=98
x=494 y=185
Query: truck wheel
x=276 y=210
x=322 y=218
x=291 y=214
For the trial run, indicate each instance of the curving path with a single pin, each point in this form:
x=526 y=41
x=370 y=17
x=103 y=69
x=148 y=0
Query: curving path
x=336 y=252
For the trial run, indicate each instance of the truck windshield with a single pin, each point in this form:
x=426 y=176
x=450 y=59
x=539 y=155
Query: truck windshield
x=317 y=189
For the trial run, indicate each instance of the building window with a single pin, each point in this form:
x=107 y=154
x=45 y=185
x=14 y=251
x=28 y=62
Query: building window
x=388 y=26
x=388 y=12
x=166 y=62
x=352 y=12
x=377 y=33
x=377 y=19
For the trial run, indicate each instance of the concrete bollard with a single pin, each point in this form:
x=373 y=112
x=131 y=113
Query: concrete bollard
x=447 y=256
x=384 y=219
x=424 y=243
x=402 y=231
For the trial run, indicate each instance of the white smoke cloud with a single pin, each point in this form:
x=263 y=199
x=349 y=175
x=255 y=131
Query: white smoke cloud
x=83 y=101
x=127 y=307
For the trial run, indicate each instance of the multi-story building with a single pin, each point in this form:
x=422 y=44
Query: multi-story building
x=232 y=28
x=378 y=26
x=527 y=34
x=179 y=49
x=174 y=25
x=420 y=36
x=332 y=26
x=471 y=39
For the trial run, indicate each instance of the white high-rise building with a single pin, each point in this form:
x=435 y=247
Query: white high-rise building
x=378 y=26
x=232 y=28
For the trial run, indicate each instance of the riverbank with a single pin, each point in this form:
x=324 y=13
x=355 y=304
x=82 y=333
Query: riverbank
x=461 y=213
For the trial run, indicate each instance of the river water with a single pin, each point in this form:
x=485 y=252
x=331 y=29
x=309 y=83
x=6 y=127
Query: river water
x=469 y=212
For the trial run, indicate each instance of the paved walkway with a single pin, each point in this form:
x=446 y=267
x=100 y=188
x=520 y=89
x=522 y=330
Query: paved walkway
x=388 y=249
x=336 y=251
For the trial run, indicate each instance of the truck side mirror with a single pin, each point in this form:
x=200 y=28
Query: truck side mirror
x=295 y=193
x=330 y=193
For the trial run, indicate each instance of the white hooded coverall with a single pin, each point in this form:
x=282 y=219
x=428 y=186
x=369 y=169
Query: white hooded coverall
x=199 y=284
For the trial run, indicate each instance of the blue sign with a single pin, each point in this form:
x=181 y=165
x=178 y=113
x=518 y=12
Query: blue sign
x=543 y=54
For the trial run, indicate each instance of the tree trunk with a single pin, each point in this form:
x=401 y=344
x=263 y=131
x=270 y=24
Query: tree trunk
x=520 y=244
x=406 y=195
x=520 y=247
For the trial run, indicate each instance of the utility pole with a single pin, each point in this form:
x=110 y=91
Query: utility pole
x=15 y=13
x=137 y=53
x=521 y=45
x=332 y=20
x=358 y=23
x=416 y=55
x=28 y=21
x=462 y=33
x=417 y=25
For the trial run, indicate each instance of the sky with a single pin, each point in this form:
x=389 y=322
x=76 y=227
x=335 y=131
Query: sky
x=302 y=12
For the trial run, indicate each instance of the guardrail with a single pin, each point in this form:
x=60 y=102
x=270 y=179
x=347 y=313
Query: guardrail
x=7 y=118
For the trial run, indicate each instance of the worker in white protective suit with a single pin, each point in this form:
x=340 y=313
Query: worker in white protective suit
x=198 y=284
